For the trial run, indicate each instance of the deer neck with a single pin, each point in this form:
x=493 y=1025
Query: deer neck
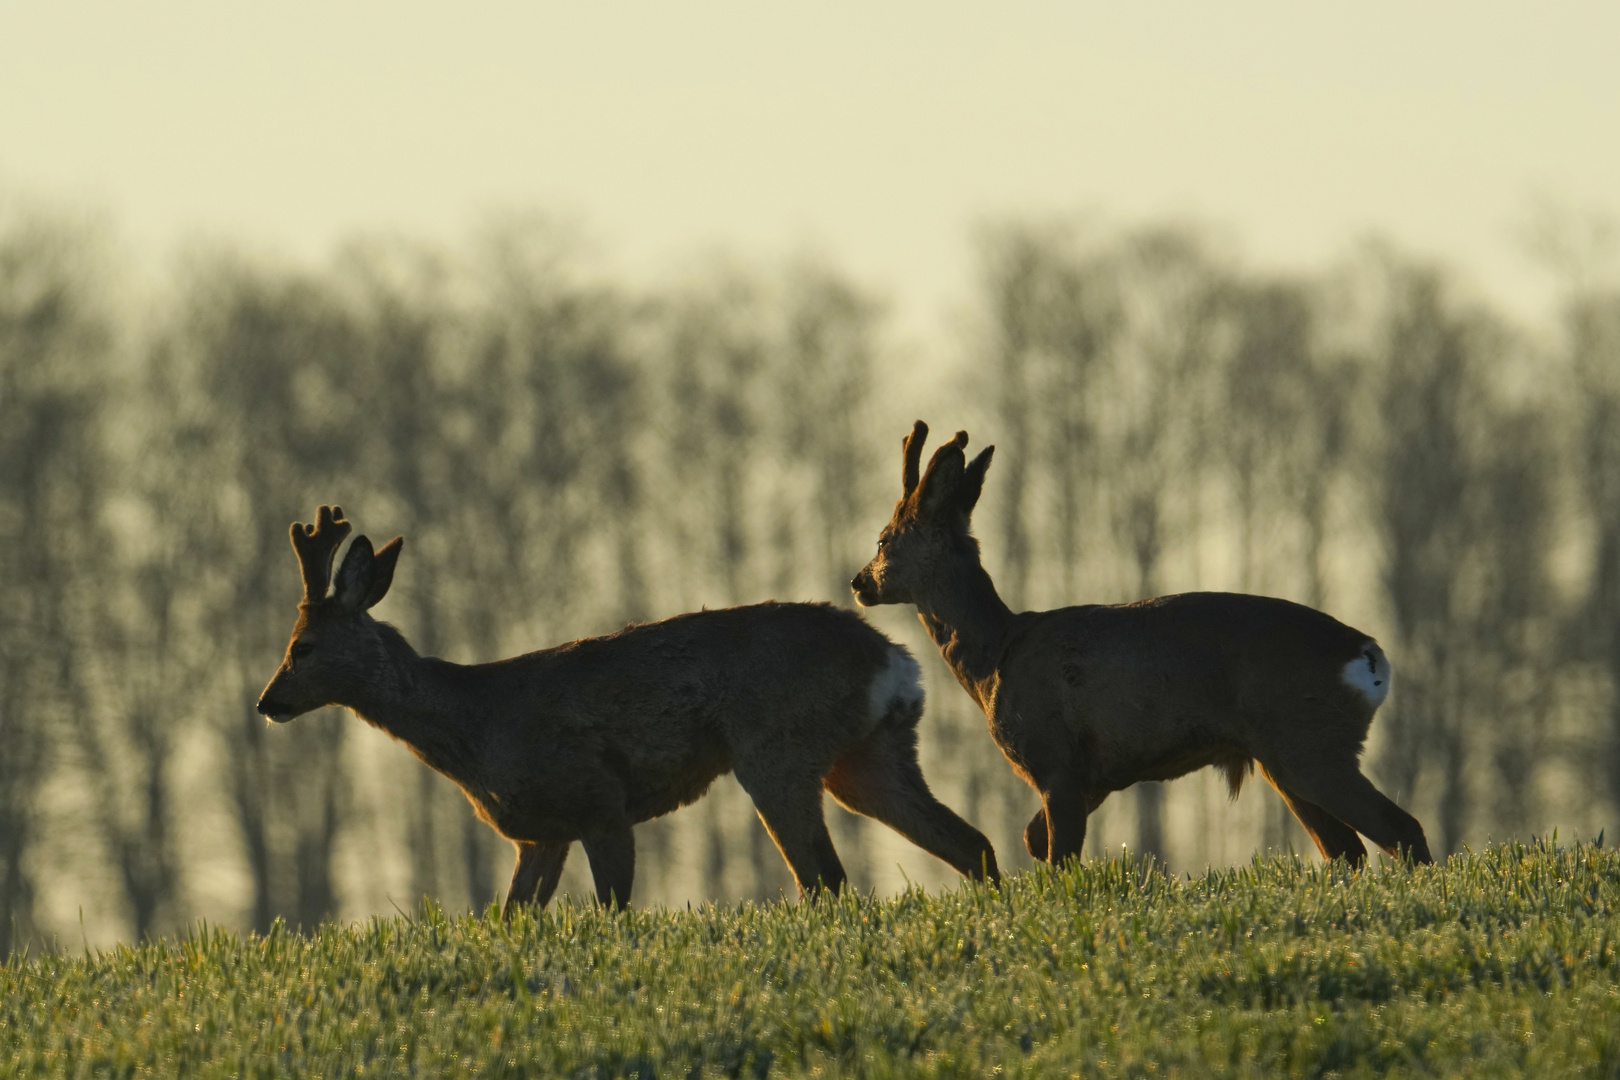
x=968 y=621
x=416 y=700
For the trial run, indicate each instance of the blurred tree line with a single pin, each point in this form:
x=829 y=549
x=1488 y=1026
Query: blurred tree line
x=565 y=453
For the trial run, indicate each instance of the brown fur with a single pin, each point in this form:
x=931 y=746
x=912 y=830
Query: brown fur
x=583 y=741
x=1085 y=701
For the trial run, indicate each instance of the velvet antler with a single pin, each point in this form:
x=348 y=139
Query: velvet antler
x=315 y=545
x=912 y=446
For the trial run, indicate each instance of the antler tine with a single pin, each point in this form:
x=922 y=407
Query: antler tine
x=912 y=445
x=315 y=545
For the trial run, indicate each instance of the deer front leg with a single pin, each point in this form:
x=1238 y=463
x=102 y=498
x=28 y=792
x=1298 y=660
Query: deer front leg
x=1047 y=757
x=1064 y=808
x=535 y=876
x=1035 y=833
x=1036 y=836
x=612 y=853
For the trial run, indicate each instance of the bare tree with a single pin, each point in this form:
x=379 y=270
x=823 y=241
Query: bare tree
x=1156 y=400
x=53 y=350
x=1593 y=326
x=1438 y=519
x=151 y=673
x=570 y=453
x=1282 y=430
x=269 y=355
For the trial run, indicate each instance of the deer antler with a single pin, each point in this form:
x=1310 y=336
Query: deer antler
x=315 y=545
x=912 y=446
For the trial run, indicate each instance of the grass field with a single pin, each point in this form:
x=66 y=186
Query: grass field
x=1502 y=963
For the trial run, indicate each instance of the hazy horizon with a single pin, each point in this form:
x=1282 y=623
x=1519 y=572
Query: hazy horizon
x=872 y=138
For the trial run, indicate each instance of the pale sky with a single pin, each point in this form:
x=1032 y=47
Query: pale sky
x=876 y=134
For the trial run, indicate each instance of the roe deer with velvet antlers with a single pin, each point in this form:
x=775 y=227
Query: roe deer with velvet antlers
x=1085 y=701
x=582 y=741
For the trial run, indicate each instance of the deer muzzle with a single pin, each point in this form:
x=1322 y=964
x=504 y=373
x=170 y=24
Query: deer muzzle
x=275 y=711
x=865 y=588
x=273 y=707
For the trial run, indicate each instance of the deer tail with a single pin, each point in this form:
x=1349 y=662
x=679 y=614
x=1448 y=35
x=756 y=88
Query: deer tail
x=1369 y=673
x=895 y=697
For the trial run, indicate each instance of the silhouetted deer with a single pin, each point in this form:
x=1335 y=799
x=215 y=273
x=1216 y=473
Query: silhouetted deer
x=582 y=741
x=1088 y=700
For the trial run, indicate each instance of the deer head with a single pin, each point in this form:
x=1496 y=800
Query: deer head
x=336 y=646
x=930 y=523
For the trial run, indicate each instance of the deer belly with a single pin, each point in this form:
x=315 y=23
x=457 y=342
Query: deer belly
x=1227 y=758
x=651 y=793
x=1163 y=752
x=523 y=820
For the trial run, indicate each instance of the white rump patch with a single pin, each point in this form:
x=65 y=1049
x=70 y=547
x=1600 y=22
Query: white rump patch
x=1369 y=673
x=897 y=685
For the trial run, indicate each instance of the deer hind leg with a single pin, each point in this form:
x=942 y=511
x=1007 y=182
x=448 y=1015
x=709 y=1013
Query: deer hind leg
x=1333 y=838
x=791 y=811
x=1344 y=793
x=880 y=778
x=535 y=876
x=613 y=864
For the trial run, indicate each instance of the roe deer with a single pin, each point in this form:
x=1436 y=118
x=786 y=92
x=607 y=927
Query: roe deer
x=582 y=741
x=1088 y=700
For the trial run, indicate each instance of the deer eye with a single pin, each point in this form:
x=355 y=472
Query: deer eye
x=302 y=649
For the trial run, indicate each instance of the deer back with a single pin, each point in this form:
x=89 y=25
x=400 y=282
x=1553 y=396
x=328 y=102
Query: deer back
x=1152 y=689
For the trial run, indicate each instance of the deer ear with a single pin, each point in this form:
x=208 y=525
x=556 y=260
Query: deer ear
x=382 y=570
x=354 y=576
x=973 y=480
